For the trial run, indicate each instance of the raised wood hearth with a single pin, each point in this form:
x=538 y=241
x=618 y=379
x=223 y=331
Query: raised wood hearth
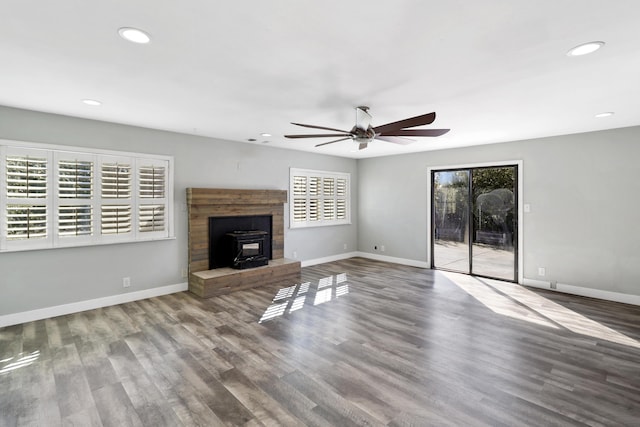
x=203 y=203
x=221 y=281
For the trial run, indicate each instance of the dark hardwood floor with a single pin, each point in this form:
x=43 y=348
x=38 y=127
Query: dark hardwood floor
x=360 y=342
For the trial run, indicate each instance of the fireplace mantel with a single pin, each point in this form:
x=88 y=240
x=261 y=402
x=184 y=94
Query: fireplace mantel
x=203 y=203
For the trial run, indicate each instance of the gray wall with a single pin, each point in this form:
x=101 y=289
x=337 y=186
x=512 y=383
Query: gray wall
x=46 y=278
x=583 y=190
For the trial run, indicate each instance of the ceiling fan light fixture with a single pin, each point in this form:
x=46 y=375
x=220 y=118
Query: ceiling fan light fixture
x=134 y=35
x=585 y=48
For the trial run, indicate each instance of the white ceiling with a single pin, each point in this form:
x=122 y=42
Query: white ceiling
x=493 y=70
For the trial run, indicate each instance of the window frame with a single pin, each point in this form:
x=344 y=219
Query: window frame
x=53 y=200
x=320 y=200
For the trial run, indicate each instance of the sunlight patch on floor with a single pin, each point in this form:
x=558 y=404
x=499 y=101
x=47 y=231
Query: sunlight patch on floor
x=293 y=298
x=20 y=361
x=516 y=301
x=495 y=301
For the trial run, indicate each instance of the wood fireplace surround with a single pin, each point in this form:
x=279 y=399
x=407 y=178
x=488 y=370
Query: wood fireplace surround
x=203 y=203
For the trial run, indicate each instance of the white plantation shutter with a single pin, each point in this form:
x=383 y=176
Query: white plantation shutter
x=314 y=185
x=75 y=220
x=328 y=191
x=26 y=196
x=299 y=209
x=299 y=196
x=314 y=210
x=152 y=181
x=27 y=176
x=26 y=222
x=74 y=203
x=116 y=194
x=341 y=198
x=62 y=197
x=116 y=180
x=115 y=219
x=75 y=179
x=318 y=198
x=152 y=198
x=151 y=218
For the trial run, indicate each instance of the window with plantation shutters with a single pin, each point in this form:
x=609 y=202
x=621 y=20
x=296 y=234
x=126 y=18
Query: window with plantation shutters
x=71 y=196
x=318 y=198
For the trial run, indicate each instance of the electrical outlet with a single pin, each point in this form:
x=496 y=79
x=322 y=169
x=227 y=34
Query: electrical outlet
x=542 y=271
x=344 y=246
x=185 y=272
x=295 y=255
x=126 y=282
x=382 y=248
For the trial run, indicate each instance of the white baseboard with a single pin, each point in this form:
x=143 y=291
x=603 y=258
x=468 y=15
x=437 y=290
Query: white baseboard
x=585 y=292
x=75 y=307
x=394 y=260
x=331 y=258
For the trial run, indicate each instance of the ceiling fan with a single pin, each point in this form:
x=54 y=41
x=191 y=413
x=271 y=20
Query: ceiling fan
x=363 y=133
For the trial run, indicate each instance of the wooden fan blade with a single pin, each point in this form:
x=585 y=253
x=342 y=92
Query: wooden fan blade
x=416 y=132
x=395 y=139
x=331 y=142
x=424 y=119
x=320 y=135
x=318 y=127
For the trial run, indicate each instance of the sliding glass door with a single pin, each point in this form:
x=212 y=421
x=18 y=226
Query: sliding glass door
x=474 y=221
x=450 y=219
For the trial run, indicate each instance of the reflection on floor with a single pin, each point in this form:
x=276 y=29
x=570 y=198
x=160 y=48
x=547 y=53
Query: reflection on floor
x=19 y=361
x=516 y=301
x=293 y=298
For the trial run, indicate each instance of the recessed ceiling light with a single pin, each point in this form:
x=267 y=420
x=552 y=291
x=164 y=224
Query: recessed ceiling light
x=605 y=114
x=92 y=102
x=585 y=48
x=265 y=134
x=134 y=35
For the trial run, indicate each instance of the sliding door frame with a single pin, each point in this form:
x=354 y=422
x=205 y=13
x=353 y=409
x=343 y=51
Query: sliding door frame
x=519 y=172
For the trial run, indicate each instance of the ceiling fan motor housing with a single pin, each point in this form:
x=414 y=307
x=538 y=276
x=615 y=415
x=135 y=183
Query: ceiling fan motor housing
x=361 y=135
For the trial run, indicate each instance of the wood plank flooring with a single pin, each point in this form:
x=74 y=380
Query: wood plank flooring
x=359 y=342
